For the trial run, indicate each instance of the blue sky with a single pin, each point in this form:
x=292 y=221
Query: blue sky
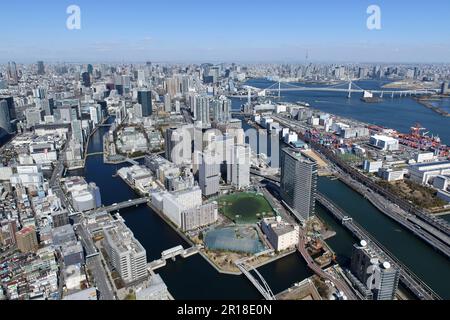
x=245 y=30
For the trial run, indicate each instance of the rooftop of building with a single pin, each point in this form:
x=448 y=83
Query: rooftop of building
x=123 y=239
x=297 y=154
x=431 y=164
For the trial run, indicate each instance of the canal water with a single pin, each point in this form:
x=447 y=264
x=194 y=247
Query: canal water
x=432 y=267
x=194 y=277
x=399 y=114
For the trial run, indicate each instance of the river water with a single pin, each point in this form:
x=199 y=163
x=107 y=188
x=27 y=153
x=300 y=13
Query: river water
x=191 y=278
x=398 y=113
x=194 y=278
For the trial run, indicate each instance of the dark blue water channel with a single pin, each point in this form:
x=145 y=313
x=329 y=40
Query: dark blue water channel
x=194 y=278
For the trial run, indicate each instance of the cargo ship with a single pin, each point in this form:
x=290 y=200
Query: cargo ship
x=419 y=139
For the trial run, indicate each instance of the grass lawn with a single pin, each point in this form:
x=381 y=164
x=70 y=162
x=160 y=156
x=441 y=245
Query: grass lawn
x=245 y=208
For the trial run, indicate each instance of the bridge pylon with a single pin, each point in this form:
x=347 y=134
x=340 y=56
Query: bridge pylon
x=279 y=89
x=349 y=89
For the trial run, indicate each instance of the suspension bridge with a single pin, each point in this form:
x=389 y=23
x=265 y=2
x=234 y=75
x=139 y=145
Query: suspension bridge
x=348 y=87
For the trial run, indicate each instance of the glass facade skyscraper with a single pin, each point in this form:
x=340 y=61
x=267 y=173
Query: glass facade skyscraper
x=145 y=100
x=298 y=182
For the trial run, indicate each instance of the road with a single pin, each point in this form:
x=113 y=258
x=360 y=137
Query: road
x=340 y=285
x=418 y=227
x=438 y=231
x=407 y=277
x=94 y=264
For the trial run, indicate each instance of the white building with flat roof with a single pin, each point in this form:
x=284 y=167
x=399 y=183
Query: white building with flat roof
x=127 y=255
x=441 y=182
x=372 y=166
x=391 y=174
x=384 y=143
x=422 y=157
x=238 y=170
x=281 y=235
x=174 y=204
x=423 y=173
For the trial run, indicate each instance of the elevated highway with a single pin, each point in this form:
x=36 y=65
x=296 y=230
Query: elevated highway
x=407 y=277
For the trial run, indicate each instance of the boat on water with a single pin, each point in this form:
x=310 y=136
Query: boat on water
x=368 y=97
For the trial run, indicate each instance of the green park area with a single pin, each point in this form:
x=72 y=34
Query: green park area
x=245 y=208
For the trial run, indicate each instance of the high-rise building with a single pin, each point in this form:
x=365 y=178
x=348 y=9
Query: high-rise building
x=445 y=88
x=95 y=113
x=90 y=69
x=66 y=113
x=167 y=103
x=11 y=107
x=209 y=175
x=238 y=170
x=127 y=255
x=137 y=110
x=298 y=182
x=95 y=191
x=141 y=78
x=27 y=240
x=77 y=131
x=185 y=84
x=179 y=144
x=221 y=108
x=198 y=217
x=39 y=93
x=86 y=77
x=202 y=109
x=49 y=106
x=377 y=279
x=145 y=100
x=40 y=68
x=173 y=86
x=13 y=77
x=5 y=124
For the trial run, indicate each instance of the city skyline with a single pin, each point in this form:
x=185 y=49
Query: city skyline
x=240 y=151
x=241 y=32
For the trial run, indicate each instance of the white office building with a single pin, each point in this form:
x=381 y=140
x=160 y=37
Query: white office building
x=174 y=204
x=384 y=143
x=238 y=170
x=281 y=235
x=423 y=173
x=127 y=255
x=391 y=175
x=209 y=175
x=424 y=157
x=372 y=166
x=199 y=217
x=441 y=182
